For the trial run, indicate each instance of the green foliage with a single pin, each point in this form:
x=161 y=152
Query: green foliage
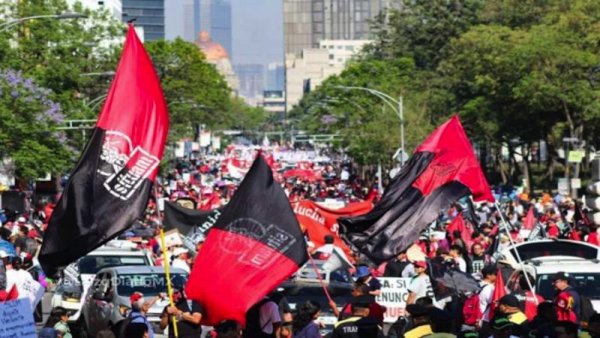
x=195 y=92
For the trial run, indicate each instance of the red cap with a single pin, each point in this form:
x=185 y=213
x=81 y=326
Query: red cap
x=420 y=264
x=135 y=297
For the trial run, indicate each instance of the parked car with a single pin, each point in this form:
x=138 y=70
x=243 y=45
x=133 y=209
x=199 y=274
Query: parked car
x=77 y=277
x=584 y=276
x=107 y=301
x=551 y=248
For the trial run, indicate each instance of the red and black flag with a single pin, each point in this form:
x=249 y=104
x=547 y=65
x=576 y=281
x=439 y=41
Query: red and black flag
x=442 y=170
x=109 y=188
x=254 y=246
x=189 y=222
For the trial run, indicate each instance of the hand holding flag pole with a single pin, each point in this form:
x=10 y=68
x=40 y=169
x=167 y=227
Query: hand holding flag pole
x=166 y=263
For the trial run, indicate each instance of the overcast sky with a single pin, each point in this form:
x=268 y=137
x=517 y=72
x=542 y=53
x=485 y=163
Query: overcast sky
x=257 y=31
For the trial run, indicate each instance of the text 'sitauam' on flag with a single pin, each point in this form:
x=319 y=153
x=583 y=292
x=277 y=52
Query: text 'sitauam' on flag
x=109 y=188
x=254 y=246
x=442 y=170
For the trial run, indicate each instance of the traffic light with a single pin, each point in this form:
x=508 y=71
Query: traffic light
x=593 y=200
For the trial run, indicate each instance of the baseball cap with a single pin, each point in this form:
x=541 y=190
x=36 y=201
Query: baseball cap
x=362 y=271
x=420 y=264
x=561 y=275
x=135 y=297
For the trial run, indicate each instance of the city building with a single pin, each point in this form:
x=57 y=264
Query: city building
x=252 y=80
x=304 y=73
x=217 y=55
x=341 y=51
x=274 y=103
x=275 y=77
x=187 y=18
x=307 y=22
x=115 y=7
x=149 y=14
x=182 y=19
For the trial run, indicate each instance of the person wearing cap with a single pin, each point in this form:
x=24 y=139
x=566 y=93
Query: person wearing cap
x=363 y=275
x=376 y=311
x=420 y=322
x=139 y=309
x=567 y=300
x=187 y=314
x=502 y=328
x=359 y=325
x=180 y=259
x=508 y=306
x=420 y=284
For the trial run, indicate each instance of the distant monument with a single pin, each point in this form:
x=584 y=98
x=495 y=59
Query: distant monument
x=217 y=55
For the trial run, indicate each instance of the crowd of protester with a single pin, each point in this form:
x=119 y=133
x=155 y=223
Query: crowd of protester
x=473 y=248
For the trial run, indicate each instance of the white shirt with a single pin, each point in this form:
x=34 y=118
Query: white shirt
x=462 y=264
x=485 y=299
x=421 y=287
x=269 y=314
x=180 y=263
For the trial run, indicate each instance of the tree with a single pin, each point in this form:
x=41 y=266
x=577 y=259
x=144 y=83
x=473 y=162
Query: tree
x=28 y=127
x=195 y=92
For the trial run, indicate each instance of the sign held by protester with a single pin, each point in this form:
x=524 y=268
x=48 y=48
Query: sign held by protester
x=394 y=294
x=16 y=319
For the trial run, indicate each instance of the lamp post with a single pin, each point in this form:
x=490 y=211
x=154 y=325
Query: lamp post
x=396 y=105
x=65 y=15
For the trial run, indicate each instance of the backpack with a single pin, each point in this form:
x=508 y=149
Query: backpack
x=253 y=328
x=471 y=311
x=586 y=309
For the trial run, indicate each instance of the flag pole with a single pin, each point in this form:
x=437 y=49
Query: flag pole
x=166 y=262
x=520 y=261
x=314 y=265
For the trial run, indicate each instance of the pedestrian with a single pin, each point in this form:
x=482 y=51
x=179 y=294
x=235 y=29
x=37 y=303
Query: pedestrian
x=528 y=301
x=399 y=267
x=543 y=323
x=136 y=330
x=508 y=306
x=304 y=325
x=420 y=321
x=486 y=294
x=263 y=320
x=188 y=315
x=567 y=300
x=456 y=254
x=139 y=310
x=359 y=325
x=420 y=284
x=363 y=275
x=62 y=326
x=376 y=311
x=478 y=258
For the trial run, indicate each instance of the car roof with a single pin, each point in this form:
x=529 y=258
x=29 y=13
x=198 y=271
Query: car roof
x=110 y=251
x=140 y=269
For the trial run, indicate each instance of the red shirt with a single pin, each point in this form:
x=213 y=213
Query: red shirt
x=376 y=311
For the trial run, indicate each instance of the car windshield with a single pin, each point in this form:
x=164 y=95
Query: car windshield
x=533 y=250
x=150 y=284
x=586 y=284
x=92 y=264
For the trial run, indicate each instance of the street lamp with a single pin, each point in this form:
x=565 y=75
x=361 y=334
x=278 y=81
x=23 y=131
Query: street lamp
x=65 y=15
x=396 y=105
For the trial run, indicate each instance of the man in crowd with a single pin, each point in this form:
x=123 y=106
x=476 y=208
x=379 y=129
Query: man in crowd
x=399 y=267
x=263 y=320
x=489 y=273
x=567 y=300
x=187 y=314
x=359 y=325
x=364 y=276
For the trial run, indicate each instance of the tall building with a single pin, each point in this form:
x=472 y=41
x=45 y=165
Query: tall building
x=307 y=22
x=149 y=14
x=275 y=77
x=217 y=55
x=182 y=19
x=252 y=80
x=220 y=24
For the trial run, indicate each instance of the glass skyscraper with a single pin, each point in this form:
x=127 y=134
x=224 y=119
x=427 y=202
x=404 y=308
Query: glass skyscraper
x=149 y=14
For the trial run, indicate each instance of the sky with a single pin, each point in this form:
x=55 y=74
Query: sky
x=257 y=31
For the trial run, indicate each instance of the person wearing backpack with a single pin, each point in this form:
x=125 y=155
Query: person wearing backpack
x=528 y=301
x=567 y=300
x=476 y=308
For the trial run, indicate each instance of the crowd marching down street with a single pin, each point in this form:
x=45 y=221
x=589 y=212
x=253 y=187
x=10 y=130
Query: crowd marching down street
x=238 y=234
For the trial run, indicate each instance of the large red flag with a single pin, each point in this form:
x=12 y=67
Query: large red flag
x=530 y=221
x=466 y=232
x=254 y=246
x=442 y=170
x=110 y=185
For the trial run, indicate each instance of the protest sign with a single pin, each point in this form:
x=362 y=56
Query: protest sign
x=394 y=293
x=16 y=319
x=32 y=290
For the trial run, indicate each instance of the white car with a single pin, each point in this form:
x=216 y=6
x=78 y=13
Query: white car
x=584 y=276
x=77 y=277
x=551 y=248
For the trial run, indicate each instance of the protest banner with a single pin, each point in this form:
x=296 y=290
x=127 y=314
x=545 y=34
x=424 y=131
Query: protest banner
x=394 y=293
x=31 y=289
x=16 y=319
